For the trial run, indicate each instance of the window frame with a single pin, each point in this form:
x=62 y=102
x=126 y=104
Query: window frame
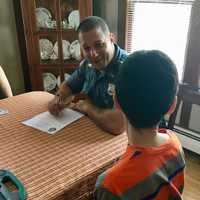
x=191 y=71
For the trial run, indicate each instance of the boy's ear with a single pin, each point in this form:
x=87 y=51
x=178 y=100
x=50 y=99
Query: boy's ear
x=172 y=107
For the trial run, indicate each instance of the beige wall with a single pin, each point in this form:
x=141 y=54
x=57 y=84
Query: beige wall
x=108 y=10
x=9 y=49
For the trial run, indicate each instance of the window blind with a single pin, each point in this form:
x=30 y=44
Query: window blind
x=130 y=16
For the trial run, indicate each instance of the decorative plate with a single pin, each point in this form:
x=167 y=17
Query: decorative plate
x=74 y=19
x=65 y=46
x=46 y=48
x=49 y=81
x=43 y=17
x=75 y=50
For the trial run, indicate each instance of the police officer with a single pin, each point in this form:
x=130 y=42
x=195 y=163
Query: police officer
x=95 y=77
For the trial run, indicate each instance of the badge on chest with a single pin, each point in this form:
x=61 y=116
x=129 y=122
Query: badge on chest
x=111 y=89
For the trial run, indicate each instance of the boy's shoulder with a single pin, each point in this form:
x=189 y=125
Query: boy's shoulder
x=119 y=177
x=173 y=141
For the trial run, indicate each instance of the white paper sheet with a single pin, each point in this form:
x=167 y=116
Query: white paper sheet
x=51 y=124
x=3 y=111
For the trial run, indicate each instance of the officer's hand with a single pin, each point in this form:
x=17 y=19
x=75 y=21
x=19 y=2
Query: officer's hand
x=59 y=103
x=55 y=106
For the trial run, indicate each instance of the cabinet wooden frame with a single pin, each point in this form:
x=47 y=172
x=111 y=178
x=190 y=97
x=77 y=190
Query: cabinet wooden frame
x=29 y=35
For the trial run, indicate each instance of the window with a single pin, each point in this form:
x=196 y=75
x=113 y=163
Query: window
x=172 y=26
x=163 y=27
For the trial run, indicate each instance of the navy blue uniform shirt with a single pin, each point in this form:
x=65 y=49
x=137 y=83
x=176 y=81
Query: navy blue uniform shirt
x=98 y=85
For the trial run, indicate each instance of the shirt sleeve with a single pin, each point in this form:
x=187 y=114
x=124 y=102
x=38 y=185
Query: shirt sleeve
x=103 y=194
x=76 y=80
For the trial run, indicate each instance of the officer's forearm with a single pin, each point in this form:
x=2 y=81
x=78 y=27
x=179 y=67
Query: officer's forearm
x=110 y=120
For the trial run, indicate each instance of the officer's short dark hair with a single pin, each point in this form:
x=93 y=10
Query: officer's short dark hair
x=93 y=22
x=146 y=87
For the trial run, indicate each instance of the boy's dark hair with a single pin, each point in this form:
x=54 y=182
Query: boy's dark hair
x=92 y=22
x=146 y=87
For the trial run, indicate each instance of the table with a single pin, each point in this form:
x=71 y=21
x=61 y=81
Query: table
x=60 y=166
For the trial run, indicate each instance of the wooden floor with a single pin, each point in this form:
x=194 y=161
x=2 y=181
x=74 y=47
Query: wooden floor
x=192 y=179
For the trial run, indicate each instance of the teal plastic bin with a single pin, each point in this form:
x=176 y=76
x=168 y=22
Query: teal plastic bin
x=5 y=193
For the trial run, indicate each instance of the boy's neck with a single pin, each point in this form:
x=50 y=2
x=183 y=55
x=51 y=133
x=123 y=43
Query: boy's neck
x=149 y=137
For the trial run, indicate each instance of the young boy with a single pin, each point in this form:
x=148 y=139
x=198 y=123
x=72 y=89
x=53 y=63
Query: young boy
x=153 y=164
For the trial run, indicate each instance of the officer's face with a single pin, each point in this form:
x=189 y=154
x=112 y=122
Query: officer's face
x=97 y=47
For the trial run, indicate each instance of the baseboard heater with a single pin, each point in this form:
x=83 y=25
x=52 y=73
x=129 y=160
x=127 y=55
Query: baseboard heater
x=189 y=139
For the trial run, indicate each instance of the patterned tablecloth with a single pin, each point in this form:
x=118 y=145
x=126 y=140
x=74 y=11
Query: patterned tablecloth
x=60 y=166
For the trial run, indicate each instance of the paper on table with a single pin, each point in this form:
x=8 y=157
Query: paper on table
x=51 y=124
x=3 y=111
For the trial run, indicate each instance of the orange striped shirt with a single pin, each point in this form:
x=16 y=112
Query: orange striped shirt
x=145 y=173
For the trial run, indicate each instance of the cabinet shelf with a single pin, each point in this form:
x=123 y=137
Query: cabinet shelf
x=46 y=31
x=71 y=63
x=49 y=65
x=70 y=67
